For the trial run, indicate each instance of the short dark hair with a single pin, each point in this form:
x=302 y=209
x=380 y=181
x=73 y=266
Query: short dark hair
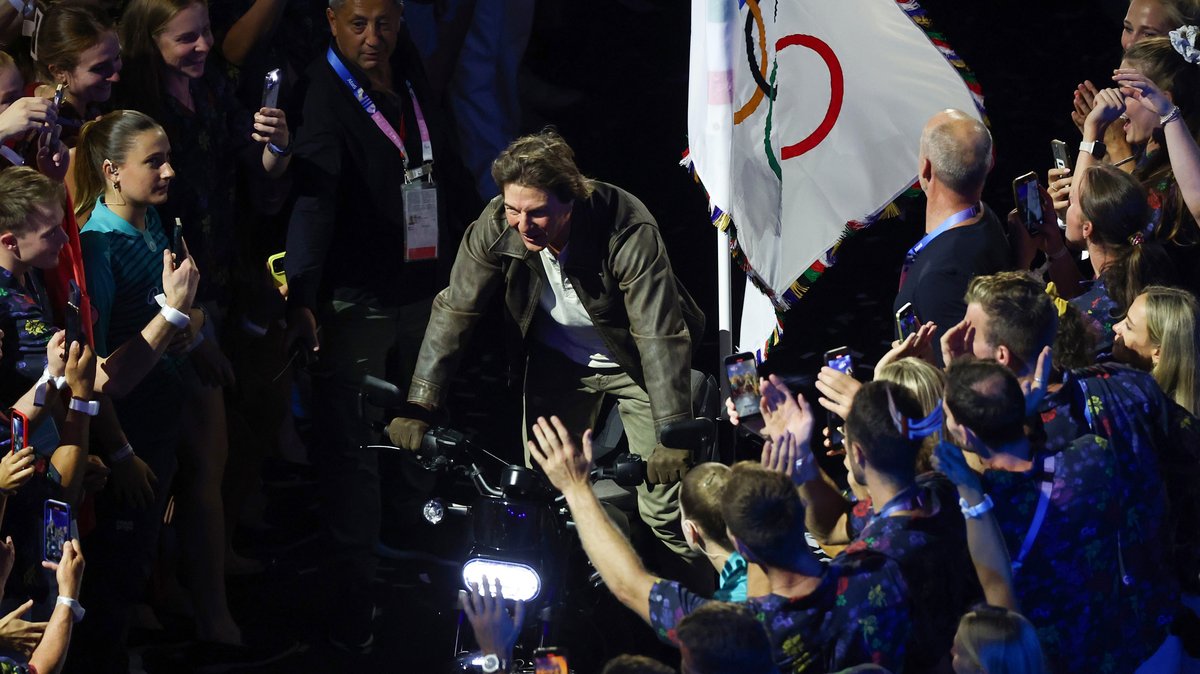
x=724 y=638
x=635 y=664
x=763 y=510
x=543 y=161
x=870 y=424
x=25 y=190
x=1021 y=316
x=700 y=495
x=986 y=397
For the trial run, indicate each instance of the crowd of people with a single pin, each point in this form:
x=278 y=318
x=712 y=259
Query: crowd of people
x=1019 y=488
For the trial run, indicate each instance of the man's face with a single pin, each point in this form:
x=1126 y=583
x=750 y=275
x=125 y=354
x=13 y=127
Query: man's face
x=539 y=216
x=982 y=346
x=39 y=246
x=365 y=30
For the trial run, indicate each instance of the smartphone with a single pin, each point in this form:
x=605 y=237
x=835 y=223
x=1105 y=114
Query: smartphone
x=56 y=129
x=840 y=360
x=56 y=529
x=177 y=248
x=906 y=321
x=742 y=372
x=550 y=661
x=20 y=430
x=270 y=97
x=1029 y=202
x=1062 y=155
x=74 y=319
x=275 y=266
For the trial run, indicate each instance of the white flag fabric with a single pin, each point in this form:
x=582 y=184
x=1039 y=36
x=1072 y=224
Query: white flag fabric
x=805 y=116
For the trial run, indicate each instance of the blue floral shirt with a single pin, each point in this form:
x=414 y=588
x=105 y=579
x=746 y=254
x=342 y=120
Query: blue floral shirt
x=859 y=613
x=1095 y=580
x=931 y=550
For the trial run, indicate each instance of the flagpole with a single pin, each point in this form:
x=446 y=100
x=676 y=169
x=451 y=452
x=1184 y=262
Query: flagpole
x=724 y=312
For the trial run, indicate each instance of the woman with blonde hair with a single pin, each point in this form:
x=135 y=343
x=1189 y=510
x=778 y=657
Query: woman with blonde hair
x=1159 y=334
x=995 y=640
x=927 y=383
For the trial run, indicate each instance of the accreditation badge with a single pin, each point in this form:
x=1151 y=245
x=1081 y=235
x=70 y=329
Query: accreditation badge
x=420 y=221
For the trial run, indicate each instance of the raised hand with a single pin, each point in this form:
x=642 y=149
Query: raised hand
x=560 y=459
x=1137 y=86
x=958 y=341
x=495 y=630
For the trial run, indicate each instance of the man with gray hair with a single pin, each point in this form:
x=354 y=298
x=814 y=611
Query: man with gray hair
x=963 y=237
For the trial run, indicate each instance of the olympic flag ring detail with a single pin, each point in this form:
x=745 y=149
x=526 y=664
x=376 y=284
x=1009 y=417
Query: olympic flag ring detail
x=837 y=86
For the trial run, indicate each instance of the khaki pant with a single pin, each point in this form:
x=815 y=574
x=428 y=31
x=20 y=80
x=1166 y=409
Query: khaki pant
x=556 y=385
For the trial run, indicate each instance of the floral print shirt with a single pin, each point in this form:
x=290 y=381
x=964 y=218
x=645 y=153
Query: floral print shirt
x=1094 y=579
x=24 y=318
x=931 y=550
x=859 y=613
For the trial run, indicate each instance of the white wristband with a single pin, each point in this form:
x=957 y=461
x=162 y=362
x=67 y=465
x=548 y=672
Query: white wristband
x=88 y=407
x=174 y=316
x=77 y=610
x=39 y=394
x=976 y=511
x=122 y=455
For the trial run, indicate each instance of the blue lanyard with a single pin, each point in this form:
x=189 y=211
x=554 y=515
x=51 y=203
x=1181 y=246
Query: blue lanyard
x=910 y=502
x=956 y=219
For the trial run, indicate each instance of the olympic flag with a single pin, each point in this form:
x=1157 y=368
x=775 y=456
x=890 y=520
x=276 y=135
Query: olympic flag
x=804 y=122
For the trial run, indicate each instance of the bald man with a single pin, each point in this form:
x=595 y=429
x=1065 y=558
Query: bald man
x=963 y=237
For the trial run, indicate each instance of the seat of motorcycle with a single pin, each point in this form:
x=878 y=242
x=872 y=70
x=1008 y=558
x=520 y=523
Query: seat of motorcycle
x=622 y=498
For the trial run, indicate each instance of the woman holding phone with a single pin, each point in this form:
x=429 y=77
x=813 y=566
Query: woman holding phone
x=123 y=169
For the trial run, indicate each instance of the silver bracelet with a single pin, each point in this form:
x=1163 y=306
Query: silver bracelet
x=1171 y=116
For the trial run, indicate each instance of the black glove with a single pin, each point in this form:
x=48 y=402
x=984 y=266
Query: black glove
x=667 y=465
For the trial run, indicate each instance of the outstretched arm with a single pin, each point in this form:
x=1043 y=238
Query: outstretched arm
x=568 y=470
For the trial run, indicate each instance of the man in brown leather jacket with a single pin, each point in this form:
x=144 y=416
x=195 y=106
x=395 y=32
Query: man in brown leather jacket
x=591 y=299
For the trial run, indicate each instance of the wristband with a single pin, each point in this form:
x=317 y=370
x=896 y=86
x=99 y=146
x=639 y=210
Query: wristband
x=279 y=151
x=39 y=396
x=122 y=455
x=1171 y=116
x=174 y=316
x=77 y=610
x=88 y=407
x=976 y=511
x=1056 y=255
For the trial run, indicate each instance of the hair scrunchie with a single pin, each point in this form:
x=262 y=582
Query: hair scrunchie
x=1183 y=39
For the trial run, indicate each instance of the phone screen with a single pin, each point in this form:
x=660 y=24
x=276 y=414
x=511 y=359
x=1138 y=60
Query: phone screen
x=270 y=97
x=56 y=129
x=839 y=359
x=548 y=662
x=742 y=373
x=907 y=322
x=20 y=430
x=1029 y=201
x=56 y=529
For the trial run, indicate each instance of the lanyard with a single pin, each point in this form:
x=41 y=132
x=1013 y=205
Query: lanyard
x=956 y=219
x=913 y=502
x=380 y=121
x=1047 y=490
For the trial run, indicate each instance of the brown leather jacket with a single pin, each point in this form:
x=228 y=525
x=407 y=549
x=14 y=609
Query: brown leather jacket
x=618 y=266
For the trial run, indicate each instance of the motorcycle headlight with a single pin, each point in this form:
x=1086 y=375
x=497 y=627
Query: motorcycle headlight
x=519 y=582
